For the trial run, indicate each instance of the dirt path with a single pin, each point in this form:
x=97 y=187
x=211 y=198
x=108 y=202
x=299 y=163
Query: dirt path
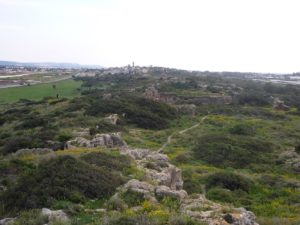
x=169 y=139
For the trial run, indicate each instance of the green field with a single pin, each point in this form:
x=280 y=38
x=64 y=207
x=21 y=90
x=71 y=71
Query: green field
x=66 y=88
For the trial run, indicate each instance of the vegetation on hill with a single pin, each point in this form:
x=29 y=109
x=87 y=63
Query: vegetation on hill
x=66 y=178
x=243 y=154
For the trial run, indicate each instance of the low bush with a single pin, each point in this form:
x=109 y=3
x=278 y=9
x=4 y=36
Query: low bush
x=32 y=122
x=220 y=195
x=144 y=113
x=229 y=181
x=62 y=178
x=115 y=162
x=132 y=198
x=223 y=150
x=242 y=129
x=13 y=144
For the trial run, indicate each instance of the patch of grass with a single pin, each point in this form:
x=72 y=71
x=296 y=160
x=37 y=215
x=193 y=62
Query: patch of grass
x=66 y=88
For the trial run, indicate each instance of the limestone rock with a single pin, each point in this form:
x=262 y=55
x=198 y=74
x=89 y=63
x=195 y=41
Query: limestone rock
x=169 y=176
x=279 y=105
x=244 y=217
x=108 y=140
x=164 y=191
x=157 y=157
x=136 y=154
x=7 y=221
x=139 y=186
x=204 y=210
x=99 y=140
x=166 y=181
x=55 y=215
x=113 y=119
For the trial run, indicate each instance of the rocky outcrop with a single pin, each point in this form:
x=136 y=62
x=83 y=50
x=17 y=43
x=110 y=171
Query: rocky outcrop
x=204 y=210
x=7 y=221
x=113 y=119
x=55 y=215
x=139 y=186
x=279 y=105
x=99 y=140
x=164 y=191
x=157 y=167
x=162 y=179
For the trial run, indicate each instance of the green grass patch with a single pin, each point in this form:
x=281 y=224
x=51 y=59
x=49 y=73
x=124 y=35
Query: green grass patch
x=66 y=88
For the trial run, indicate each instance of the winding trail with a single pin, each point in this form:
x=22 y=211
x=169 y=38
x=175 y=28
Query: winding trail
x=169 y=139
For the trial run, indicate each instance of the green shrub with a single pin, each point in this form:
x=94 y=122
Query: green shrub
x=297 y=149
x=116 y=204
x=191 y=184
x=220 y=194
x=62 y=137
x=242 y=129
x=32 y=122
x=62 y=178
x=132 y=198
x=15 y=143
x=2 y=121
x=113 y=162
x=229 y=181
x=225 y=151
x=144 y=113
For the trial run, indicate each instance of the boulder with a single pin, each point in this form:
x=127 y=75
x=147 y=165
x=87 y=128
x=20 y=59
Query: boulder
x=279 y=105
x=139 y=186
x=204 y=210
x=164 y=191
x=55 y=215
x=136 y=154
x=113 y=119
x=108 y=140
x=99 y=140
x=157 y=157
x=169 y=176
x=7 y=221
x=244 y=217
x=78 y=141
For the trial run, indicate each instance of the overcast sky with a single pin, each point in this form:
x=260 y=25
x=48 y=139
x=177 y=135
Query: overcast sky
x=216 y=35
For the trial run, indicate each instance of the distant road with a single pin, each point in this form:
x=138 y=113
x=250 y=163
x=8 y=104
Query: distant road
x=19 y=75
